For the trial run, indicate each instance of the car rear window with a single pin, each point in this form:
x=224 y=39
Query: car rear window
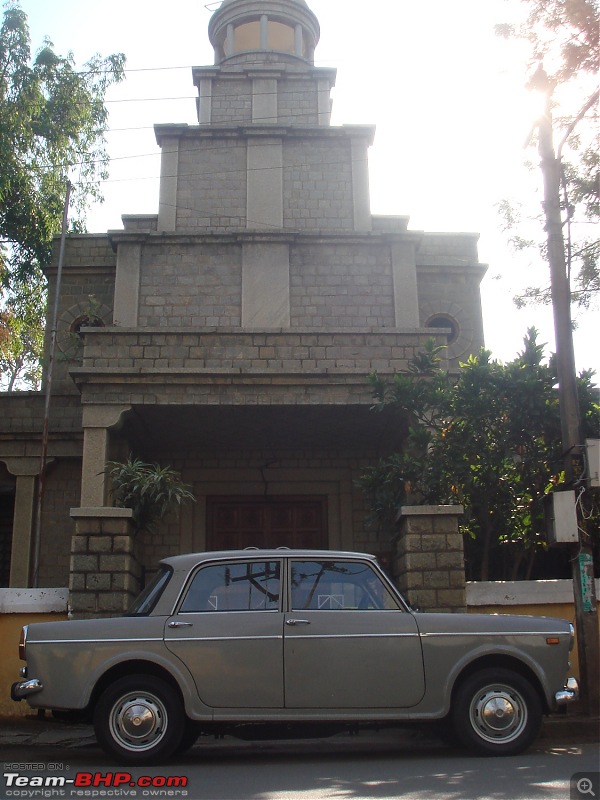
x=148 y=598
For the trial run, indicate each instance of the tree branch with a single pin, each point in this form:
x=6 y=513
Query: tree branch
x=593 y=99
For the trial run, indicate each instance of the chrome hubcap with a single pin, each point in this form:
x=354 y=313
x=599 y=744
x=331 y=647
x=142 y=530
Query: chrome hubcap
x=498 y=713
x=138 y=721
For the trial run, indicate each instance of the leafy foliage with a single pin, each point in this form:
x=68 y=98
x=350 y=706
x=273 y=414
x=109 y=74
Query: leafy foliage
x=488 y=438
x=564 y=34
x=151 y=491
x=22 y=334
x=52 y=119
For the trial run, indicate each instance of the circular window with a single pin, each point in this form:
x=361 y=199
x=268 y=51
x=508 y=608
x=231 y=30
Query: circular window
x=445 y=321
x=85 y=321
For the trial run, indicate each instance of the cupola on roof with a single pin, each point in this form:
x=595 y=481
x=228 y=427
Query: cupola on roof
x=264 y=30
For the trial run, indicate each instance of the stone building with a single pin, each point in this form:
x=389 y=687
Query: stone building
x=232 y=334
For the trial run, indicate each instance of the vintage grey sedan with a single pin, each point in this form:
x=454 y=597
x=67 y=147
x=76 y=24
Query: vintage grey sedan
x=258 y=643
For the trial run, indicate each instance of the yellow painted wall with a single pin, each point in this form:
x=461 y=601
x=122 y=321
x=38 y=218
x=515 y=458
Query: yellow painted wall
x=10 y=631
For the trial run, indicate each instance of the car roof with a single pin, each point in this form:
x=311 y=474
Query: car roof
x=188 y=560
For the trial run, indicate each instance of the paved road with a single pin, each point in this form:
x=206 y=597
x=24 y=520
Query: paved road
x=384 y=766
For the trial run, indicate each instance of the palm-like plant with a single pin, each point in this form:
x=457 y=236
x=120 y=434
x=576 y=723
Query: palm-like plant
x=149 y=490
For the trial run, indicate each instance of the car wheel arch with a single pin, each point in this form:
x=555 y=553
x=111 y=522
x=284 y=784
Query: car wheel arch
x=133 y=667
x=501 y=661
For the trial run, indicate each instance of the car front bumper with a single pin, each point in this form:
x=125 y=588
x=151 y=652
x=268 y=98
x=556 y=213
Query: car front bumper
x=22 y=689
x=568 y=694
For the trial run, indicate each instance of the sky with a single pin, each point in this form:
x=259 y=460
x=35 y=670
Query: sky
x=446 y=95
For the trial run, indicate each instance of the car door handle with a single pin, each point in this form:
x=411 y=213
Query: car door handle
x=297 y=622
x=180 y=624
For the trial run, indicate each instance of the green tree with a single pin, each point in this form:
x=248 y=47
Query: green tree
x=488 y=438
x=52 y=119
x=564 y=34
x=22 y=334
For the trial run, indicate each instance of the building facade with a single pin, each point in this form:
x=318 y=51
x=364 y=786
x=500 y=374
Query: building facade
x=231 y=335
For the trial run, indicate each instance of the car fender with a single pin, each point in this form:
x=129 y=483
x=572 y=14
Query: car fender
x=487 y=654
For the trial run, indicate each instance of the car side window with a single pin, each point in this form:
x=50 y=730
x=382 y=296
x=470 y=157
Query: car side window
x=338 y=585
x=247 y=586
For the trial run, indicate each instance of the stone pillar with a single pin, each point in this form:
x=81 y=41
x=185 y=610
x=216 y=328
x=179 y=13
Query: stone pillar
x=360 y=187
x=429 y=558
x=265 y=285
x=404 y=274
x=324 y=102
x=127 y=284
x=26 y=469
x=105 y=573
x=167 y=199
x=264 y=184
x=298 y=41
x=204 y=102
x=97 y=419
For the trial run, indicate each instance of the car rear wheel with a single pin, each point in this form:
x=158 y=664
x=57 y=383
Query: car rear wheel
x=139 y=719
x=496 y=712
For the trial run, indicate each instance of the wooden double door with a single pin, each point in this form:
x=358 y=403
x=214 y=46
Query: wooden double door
x=237 y=522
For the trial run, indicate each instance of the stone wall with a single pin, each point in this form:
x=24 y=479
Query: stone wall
x=317 y=185
x=341 y=285
x=297 y=102
x=231 y=100
x=196 y=285
x=211 y=184
x=301 y=351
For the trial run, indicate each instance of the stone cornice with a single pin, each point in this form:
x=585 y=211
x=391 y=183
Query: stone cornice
x=263 y=71
x=277 y=131
x=117 y=237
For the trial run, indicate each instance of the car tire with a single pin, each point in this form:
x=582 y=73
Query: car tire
x=496 y=712
x=139 y=719
x=191 y=732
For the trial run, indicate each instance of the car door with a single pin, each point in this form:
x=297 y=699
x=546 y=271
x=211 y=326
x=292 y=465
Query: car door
x=228 y=633
x=348 y=641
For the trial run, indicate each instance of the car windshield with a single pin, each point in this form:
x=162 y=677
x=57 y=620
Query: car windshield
x=147 y=599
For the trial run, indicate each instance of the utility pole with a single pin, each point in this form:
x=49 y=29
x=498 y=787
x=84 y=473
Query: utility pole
x=586 y=609
x=37 y=534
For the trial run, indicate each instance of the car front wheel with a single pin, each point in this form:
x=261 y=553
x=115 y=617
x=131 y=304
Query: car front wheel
x=497 y=712
x=139 y=719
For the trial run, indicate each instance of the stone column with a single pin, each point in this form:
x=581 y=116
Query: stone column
x=167 y=200
x=127 y=284
x=360 y=187
x=429 y=558
x=204 y=101
x=264 y=184
x=105 y=574
x=97 y=419
x=265 y=285
x=404 y=274
x=324 y=102
x=26 y=469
